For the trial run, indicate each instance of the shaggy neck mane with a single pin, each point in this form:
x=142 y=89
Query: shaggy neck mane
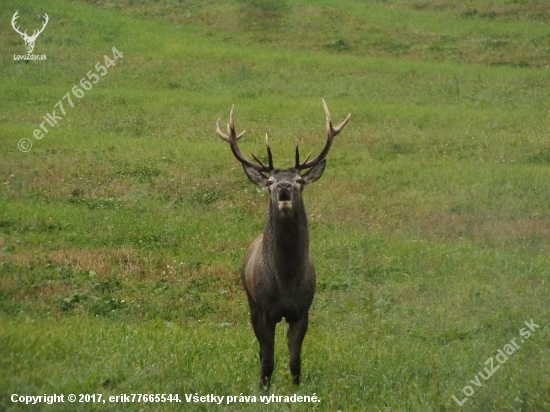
x=286 y=240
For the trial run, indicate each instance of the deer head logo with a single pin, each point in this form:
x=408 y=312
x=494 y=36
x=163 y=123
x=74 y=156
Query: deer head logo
x=29 y=40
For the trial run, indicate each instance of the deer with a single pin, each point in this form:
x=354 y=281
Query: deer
x=29 y=40
x=278 y=274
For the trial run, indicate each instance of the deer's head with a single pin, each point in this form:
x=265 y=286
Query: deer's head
x=284 y=186
x=29 y=40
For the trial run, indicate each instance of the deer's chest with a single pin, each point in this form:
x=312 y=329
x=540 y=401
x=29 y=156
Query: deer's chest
x=288 y=301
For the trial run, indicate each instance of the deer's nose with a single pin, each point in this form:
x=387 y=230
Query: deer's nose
x=284 y=186
x=284 y=190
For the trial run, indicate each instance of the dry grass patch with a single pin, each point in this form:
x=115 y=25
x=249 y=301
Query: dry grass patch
x=43 y=292
x=102 y=262
x=492 y=10
x=480 y=227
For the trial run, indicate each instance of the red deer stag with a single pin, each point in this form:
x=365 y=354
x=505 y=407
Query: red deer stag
x=278 y=274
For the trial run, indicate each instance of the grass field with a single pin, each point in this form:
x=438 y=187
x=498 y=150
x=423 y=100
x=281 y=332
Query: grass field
x=123 y=229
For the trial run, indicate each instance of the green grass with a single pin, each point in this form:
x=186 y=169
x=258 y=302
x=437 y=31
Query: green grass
x=122 y=231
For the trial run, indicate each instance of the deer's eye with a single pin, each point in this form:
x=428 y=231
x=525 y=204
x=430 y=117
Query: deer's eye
x=300 y=181
x=270 y=182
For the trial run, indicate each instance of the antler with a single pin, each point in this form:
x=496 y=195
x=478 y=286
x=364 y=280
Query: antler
x=331 y=133
x=35 y=33
x=15 y=17
x=232 y=138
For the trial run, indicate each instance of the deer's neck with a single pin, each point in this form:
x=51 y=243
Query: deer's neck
x=286 y=241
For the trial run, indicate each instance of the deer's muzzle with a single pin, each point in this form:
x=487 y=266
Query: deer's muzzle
x=284 y=191
x=284 y=196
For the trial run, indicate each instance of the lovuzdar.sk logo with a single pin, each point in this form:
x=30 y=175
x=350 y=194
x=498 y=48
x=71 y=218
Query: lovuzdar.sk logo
x=29 y=40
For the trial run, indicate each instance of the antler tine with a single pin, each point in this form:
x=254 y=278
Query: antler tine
x=13 y=22
x=331 y=133
x=297 y=165
x=229 y=127
x=232 y=138
x=219 y=131
x=269 y=154
x=231 y=124
x=331 y=130
x=35 y=33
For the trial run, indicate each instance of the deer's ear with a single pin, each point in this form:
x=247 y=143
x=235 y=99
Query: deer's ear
x=254 y=176
x=315 y=173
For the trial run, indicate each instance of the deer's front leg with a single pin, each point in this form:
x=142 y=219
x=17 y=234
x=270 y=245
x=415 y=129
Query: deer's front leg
x=266 y=336
x=295 y=335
